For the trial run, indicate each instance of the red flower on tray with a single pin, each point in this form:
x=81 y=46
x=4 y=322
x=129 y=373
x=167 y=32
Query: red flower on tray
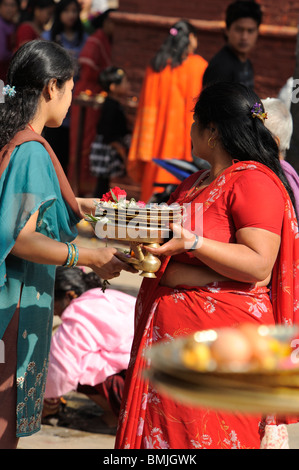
x=114 y=195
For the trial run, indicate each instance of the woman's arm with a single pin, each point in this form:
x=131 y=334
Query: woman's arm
x=86 y=205
x=36 y=247
x=251 y=259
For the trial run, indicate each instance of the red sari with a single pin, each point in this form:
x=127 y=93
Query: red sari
x=150 y=420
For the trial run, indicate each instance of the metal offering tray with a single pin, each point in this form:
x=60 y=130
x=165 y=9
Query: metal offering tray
x=254 y=390
x=140 y=226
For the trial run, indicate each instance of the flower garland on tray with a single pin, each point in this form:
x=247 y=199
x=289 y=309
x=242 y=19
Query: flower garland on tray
x=116 y=198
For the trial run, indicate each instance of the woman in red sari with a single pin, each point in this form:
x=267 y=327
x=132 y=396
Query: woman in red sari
x=249 y=239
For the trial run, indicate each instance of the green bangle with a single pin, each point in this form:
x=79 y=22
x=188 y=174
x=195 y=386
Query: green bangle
x=69 y=256
x=73 y=255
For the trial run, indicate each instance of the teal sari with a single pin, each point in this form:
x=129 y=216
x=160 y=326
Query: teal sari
x=29 y=183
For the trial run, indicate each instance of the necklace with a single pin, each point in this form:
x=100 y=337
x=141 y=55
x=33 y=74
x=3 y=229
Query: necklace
x=198 y=188
x=29 y=125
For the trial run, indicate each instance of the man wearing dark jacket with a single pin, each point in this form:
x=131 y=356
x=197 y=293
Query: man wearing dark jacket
x=231 y=63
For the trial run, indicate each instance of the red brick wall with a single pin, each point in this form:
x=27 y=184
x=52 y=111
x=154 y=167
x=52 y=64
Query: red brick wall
x=139 y=34
x=279 y=12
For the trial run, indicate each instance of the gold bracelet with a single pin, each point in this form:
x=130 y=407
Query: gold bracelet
x=73 y=256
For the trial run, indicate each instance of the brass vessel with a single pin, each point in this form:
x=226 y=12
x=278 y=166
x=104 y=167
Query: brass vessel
x=148 y=226
x=142 y=260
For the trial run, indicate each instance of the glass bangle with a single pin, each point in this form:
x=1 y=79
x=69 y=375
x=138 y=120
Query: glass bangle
x=76 y=255
x=70 y=251
x=73 y=255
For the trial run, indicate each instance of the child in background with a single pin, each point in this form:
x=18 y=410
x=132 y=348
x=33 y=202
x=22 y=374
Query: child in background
x=33 y=20
x=110 y=148
x=68 y=31
x=90 y=350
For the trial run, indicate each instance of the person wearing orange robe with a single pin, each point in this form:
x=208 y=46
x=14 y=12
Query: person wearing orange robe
x=162 y=128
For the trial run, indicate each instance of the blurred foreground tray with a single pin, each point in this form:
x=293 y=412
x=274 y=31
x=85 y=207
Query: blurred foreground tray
x=251 y=391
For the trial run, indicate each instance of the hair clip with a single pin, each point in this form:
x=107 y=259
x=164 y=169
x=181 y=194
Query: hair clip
x=9 y=91
x=257 y=112
x=173 y=31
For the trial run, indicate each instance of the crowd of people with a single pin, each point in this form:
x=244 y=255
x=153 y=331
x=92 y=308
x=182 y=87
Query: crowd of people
x=242 y=267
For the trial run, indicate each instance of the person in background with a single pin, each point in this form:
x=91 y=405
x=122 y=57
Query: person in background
x=110 y=149
x=90 y=10
x=68 y=31
x=94 y=57
x=285 y=93
x=232 y=62
x=85 y=13
x=9 y=10
x=164 y=115
x=90 y=350
x=280 y=124
x=33 y=20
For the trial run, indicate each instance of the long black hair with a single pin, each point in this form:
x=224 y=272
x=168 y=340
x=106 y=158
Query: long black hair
x=228 y=106
x=75 y=280
x=31 y=69
x=58 y=27
x=175 y=46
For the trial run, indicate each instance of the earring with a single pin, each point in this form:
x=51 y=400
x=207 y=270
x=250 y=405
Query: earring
x=212 y=143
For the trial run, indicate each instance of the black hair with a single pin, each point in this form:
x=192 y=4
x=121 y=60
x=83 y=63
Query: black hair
x=111 y=75
x=98 y=21
x=243 y=9
x=228 y=106
x=58 y=27
x=174 y=47
x=16 y=1
x=74 y=279
x=28 y=13
x=31 y=69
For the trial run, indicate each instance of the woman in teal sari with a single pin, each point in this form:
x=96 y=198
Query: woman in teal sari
x=38 y=217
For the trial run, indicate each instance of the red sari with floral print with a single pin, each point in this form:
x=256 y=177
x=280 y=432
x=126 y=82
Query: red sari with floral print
x=150 y=420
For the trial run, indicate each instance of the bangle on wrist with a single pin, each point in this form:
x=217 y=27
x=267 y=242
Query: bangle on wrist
x=72 y=257
x=69 y=247
x=193 y=247
x=76 y=255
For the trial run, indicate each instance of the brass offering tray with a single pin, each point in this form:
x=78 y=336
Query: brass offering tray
x=140 y=226
x=249 y=390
